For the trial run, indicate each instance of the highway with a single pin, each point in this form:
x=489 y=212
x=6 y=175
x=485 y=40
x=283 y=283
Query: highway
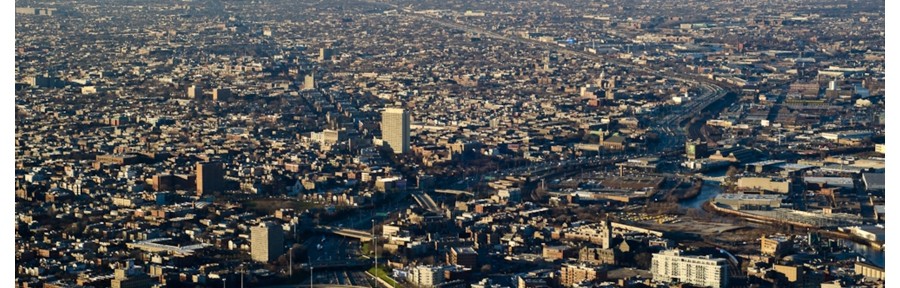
x=711 y=89
x=672 y=136
x=332 y=252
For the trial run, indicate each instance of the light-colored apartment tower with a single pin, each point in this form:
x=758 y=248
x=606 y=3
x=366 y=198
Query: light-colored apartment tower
x=395 y=129
x=671 y=267
x=309 y=82
x=194 y=91
x=266 y=242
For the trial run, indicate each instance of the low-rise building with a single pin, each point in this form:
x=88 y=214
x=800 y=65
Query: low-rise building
x=571 y=275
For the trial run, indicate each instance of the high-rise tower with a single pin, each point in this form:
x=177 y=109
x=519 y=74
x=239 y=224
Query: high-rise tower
x=266 y=242
x=210 y=177
x=395 y=129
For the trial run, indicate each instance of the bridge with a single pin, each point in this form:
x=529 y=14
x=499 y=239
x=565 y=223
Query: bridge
x=719 y=179
x=337 y=264
x=426 y=202
x=352 y=233
x=453 y=192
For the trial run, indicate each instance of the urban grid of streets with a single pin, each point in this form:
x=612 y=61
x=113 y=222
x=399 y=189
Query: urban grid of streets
x=450 y=143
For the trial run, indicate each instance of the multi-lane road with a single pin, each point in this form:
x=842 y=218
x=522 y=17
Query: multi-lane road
x=711 y=90
x=672 y=135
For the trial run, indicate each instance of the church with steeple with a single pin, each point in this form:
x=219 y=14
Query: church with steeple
x=606 y=253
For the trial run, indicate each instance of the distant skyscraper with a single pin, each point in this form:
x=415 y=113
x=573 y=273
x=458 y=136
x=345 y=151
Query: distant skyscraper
x=210 y=177
x=266 y=242
x=309 y=81
x=325 y=54
x=194 y=91
x=395 y=129
x=221 y=94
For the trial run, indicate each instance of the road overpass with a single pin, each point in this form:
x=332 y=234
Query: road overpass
x=424 y=200
x=453 y=192
x=353 y=233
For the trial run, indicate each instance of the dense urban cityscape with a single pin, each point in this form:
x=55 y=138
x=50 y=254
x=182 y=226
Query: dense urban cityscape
x=452 y=143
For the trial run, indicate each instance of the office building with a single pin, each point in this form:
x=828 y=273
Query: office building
x=672 y=267
x=395 y=129
x=210 y=177
x=266 y=242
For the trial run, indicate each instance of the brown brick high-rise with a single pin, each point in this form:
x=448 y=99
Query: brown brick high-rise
x=210 y=177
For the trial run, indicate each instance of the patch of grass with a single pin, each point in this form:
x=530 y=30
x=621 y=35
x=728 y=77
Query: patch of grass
x=383 y=275
x=365 y=248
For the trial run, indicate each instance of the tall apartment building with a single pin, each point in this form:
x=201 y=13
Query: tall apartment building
x=395 y=129
x=210 y=177
x=672 y=267
x=266 y=242
x=221 y=94
x=309 y=82
x=426 y=276
x=194 y=91
x=326 y=53
x=463 y=256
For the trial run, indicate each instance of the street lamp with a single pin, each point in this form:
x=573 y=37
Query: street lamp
x=374 y=244
x=242 y=275
x=291 y=262
x=374 y=248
